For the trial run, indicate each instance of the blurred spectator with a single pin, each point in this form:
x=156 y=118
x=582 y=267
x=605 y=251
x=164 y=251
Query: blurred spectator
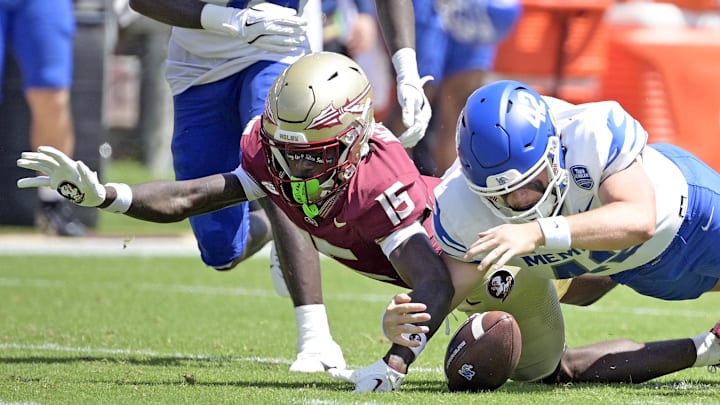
x=351 y=28
x=141 y=116
x=456 y=41
x=40 y=37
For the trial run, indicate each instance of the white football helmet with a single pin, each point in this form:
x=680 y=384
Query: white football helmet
x=315 y=129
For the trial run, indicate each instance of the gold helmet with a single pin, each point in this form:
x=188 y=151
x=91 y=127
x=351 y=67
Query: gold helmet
x=315 y=128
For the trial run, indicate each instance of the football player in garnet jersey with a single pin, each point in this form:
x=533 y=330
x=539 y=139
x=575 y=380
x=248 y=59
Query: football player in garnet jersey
x=342 y=179
x=223 y=56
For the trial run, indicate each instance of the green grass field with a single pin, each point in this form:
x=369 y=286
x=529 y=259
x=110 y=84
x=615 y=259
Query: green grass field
x=125 y=329
x=129 y=329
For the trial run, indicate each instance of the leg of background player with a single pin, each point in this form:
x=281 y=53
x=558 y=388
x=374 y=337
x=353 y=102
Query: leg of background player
x=316 y=348
x=624 y=361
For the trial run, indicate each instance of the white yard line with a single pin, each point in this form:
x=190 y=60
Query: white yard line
x=39 y=244
x=700 y=313
x=53 y=347
x=178 y=288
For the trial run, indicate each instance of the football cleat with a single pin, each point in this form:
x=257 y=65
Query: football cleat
x=319 y=358
x=708 y=349
x=276 y=273
x=714 y=349
x=377 y=377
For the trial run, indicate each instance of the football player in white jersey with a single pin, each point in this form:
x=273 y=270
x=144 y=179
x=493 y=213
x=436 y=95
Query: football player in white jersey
x=223 y=55
x=560 y=191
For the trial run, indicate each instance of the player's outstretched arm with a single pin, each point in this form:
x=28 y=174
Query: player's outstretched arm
x=172 y=201
x=160 y=201
x=421 y=267
x=417 y=262
x=179 y=13
x=266 y=26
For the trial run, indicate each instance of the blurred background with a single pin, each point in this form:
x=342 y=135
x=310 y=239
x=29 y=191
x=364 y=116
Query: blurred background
x=659 y=60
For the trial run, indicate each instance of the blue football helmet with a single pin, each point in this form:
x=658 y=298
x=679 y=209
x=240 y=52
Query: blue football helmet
x=506 y=136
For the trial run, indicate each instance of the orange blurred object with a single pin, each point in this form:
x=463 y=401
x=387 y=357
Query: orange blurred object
x=696 y=5
x=559 y=47
x=668 y=79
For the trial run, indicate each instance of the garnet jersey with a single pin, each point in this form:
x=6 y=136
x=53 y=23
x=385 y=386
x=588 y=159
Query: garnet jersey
x=387 y=193
x=599 y=139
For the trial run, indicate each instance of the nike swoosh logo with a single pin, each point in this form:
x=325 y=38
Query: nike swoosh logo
x=472 y=302
x=339 y=224
x=378 y=383
x=249 y=22
x=707 y=226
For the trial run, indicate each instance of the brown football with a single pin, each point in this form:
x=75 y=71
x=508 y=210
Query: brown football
x=483 y=353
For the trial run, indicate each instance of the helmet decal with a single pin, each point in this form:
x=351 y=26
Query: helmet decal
x=316 y=127
x=330 y=115
x=534 y=110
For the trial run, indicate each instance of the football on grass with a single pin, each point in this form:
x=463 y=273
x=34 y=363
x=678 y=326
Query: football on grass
x=483 y=353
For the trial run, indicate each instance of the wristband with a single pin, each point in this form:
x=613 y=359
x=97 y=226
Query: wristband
x=405 y=63
x=556 y=231
x=418 y=337
x=123 y=198
x=215 y=18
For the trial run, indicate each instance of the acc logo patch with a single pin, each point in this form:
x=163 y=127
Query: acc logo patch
x=71 y=192
x=581 y=177
x=500 y=284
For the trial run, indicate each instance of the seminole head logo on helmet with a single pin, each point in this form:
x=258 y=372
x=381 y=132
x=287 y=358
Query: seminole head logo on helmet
x=316 y=125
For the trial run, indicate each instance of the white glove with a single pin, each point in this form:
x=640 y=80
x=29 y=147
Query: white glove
x=266 y=26
x=72 y=179
x=317 y=351
x=416 y=111
x=377 y=377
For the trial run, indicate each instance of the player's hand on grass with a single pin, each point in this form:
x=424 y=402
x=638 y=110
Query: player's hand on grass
x=400 y=317
x=71 y=178
x=377 y=377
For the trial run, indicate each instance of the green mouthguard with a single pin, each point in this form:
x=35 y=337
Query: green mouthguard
x=301 y=190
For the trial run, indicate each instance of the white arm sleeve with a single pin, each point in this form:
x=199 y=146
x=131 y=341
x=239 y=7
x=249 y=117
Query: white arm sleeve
x=392 y=241
x=252 y=189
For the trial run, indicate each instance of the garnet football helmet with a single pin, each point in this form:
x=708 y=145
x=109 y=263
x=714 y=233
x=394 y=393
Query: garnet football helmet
x=315 y=128
x=506 y=136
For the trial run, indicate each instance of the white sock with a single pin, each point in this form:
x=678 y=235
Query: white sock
x=704 y=345
x=312 y=324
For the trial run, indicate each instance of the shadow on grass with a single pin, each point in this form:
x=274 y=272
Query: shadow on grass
x=414 y=384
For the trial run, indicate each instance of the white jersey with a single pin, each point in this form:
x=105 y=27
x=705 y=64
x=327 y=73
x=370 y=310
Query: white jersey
x=600 y=139
x=198 y=56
